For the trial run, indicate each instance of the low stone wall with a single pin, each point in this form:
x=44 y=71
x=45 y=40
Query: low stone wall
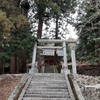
x=18 y=89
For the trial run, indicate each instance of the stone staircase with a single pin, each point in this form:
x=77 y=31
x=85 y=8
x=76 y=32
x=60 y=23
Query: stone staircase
x=46 y=86
x=49 y=69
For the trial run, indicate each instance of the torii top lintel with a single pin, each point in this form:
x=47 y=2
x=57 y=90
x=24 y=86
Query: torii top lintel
x=56 y=41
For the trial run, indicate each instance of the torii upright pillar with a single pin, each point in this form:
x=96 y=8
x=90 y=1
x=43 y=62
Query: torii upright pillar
x=65 y=66
x=64 y=54
x=34 y=68
x=72 y=47
x=34 y=55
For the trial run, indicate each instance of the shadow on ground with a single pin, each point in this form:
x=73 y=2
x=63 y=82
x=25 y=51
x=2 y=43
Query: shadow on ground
x=92 y=70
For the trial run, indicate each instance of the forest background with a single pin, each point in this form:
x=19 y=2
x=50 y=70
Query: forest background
x=16 y=29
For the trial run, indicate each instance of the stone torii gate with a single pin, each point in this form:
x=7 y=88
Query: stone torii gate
x=70 y=42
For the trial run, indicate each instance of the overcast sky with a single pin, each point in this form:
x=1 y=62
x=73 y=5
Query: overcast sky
x=72 y=32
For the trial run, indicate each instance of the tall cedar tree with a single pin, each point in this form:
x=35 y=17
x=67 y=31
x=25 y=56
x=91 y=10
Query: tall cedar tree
x=89 y=39
x=14 y=35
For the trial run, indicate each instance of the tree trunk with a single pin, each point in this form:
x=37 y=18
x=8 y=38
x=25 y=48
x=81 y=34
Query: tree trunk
x=56 y=33
x=55 y=58
x=56 y=37
x=1 y=67
x=22 y=62
x=24 y=8
x=18 y=2
x=39 y=35
x=12 y=65
x=40 y=25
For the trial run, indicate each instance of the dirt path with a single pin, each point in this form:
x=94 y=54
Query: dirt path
x=7 y=85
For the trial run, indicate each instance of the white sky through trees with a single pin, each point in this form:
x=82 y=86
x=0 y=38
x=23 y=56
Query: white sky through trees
x=72 y=32
x=68 y=31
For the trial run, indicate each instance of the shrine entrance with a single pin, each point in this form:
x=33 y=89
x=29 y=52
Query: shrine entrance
x=51 y=59
x=53 y=52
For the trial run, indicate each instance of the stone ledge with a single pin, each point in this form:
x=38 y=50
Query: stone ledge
x=76 y=89
x=97 y=86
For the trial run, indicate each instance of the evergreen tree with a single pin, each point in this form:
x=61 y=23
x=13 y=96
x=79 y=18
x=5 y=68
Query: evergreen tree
x=14 y=35
x=89 y=38
x=43 y=10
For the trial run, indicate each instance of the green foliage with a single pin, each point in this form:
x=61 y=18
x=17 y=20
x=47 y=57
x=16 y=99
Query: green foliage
x=88 y=48
x=3 y=56
x=50 y=10
x=65 y=5
x=22 y=41
x=46 y=7
x=14 y=31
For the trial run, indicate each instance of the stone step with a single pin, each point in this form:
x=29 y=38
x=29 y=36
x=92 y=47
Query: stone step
x=48 y=74
x=46 y=82
x=49 y=69
x=46 y=79
x=37 y=98
x=48 y=95
x=47 y=90
x=47 y=85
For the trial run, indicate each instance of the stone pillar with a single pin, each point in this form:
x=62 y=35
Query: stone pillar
x=34 y=63
x=34 y=55
x=64 y=64
x=64 y=54
x=72 y=47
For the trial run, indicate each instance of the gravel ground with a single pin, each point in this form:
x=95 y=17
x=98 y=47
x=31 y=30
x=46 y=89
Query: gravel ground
x=88 y=79
x=90 y=86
